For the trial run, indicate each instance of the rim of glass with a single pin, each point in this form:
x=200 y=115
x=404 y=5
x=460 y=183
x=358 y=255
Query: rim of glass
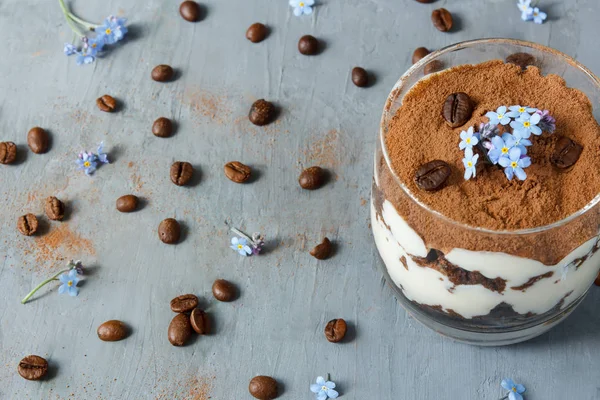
x=448 y=49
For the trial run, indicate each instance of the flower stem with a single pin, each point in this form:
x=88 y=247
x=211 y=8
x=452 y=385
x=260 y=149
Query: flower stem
x=53 y=278
x=242 y=234
x=72 y=19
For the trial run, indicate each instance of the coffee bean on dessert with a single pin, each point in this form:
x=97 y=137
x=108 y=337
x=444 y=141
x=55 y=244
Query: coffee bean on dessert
x=200 y=322
x=457 y=109
x=237 y=172
x=224 y=290
x=162 y=127
x=335 y=330
x=112 y=331
x=127 y=203
x=181 y=172
x=360 y=77
x=263 y=388
x=55 y=209
x=8 y=152
x=162 y=73
x=257 y=32
x=27 y=224
x=180 y=330
x=38 y=140
x=308 y=45
x=169 y=231
x=442 y=19
x=433 y=66
x=419 y=53
x=106 y=103
x=33 y=368
x=322 y=251
x=184 y=303
x=261 y=112
x=190 y=11
x=432 y=175
x=522 y=60
x=566 y=153
x=312 y=178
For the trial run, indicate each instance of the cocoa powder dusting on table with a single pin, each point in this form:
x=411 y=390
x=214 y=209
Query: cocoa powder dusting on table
x=61 y=244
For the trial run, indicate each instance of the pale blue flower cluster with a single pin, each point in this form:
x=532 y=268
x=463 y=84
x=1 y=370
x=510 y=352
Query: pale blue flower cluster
x=515 y=390
x=302 y=7
x=112 y=31
x=324 y=389
x=529 y=13
x=88 y=161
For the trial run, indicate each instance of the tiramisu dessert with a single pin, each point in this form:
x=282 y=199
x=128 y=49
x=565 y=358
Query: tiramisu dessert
x=485 y=210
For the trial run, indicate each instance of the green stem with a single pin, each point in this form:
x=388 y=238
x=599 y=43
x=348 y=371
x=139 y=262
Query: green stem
x=72 y=19
x=42 y=284
x=83 y=22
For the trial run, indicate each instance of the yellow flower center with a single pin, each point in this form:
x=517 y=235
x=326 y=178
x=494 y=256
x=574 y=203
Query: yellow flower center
x=70 y=283
x=86 y=164
x=500 y=116
x=522 y=110
x=535 y=14
x=513 y=164
x=301 y=4
x=505 y=150
x=108 y=31
x=514 y=389
x=470 y=163
x=526 y=124
x=468 y=140
x=325 y=388
x=240 y=246
x=94 y=45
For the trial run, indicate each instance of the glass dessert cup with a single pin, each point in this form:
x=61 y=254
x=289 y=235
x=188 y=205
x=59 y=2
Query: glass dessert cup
x=477 y=294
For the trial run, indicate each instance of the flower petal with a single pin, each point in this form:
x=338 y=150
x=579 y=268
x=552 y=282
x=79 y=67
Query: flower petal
x=509 y=173
x=520 y=388
x=234 y=240
x=525 y=162
x=309 y=2
x=504 y=161
x=297 y=11
x=62 y=288
x=468 y=173
x=514 y=154
x=307 y=10
x=315 y=388
x=332 y=394
x=73 y=291
x=520 y=173
x=330 y=385
x=501 y=110
x=322 y=395
x=320 y=380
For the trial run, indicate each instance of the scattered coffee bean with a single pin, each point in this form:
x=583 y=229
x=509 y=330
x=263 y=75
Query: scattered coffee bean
x=27 y=224
x=55 y=209
x=106 y=103
x=180 y=330
x=312 y=178
x=566 y=153
x=127 y=203
x=263 y=388
x=184 y=303
x=162 y=127
x=38 y=140
x=432 y=175
x=224 y=290
x=8 y=152
x=457 y=109
x=335 y=330
x=425 y=1
x=257 y=32
x=433 y=66
x=33 y=368
x=169 y=231
x=190 y=11
x=308 y=45
x=522 y=60
x=200 y=322
x=181 y=172
x=360 y=77
x=597 y=281
x=419 y=53
x=262 y=112
x=112 y=331
x=237 y=172
x=322 y=251
x=162 y=73
x=442 y=19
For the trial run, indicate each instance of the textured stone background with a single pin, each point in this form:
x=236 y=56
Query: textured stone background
x=275 y=328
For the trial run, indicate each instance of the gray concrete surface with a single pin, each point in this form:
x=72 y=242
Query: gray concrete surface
x=275 y=328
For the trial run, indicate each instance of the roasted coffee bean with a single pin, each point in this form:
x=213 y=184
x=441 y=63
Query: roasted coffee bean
x=38 y=140
x=522 y=60
x=181 y=172
x=262 y=112
x=190 y=11
x=257 y=32
x=106 y=103
x=162 y=127
x=597 y=281
x=112 y=331
x=127 y=203
x=27 y=224
x=335 y=330
x=360 y=77
x=263 y=388
x=55 y=209
x=169 y=231
x=312 y=178
x=308 y=45
x=419 y=53
x=33 y=368
x=180 y=330
x=237 y=172
x=8 y=152
x=457 y=109
x=425 y=1
x=432 y=175
x=184 y=303
x=224 y=290
x=442 y=19
x=322 y=251
x=162 y=73
x=200 y=322
x=566 y=153
x=433 y=66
